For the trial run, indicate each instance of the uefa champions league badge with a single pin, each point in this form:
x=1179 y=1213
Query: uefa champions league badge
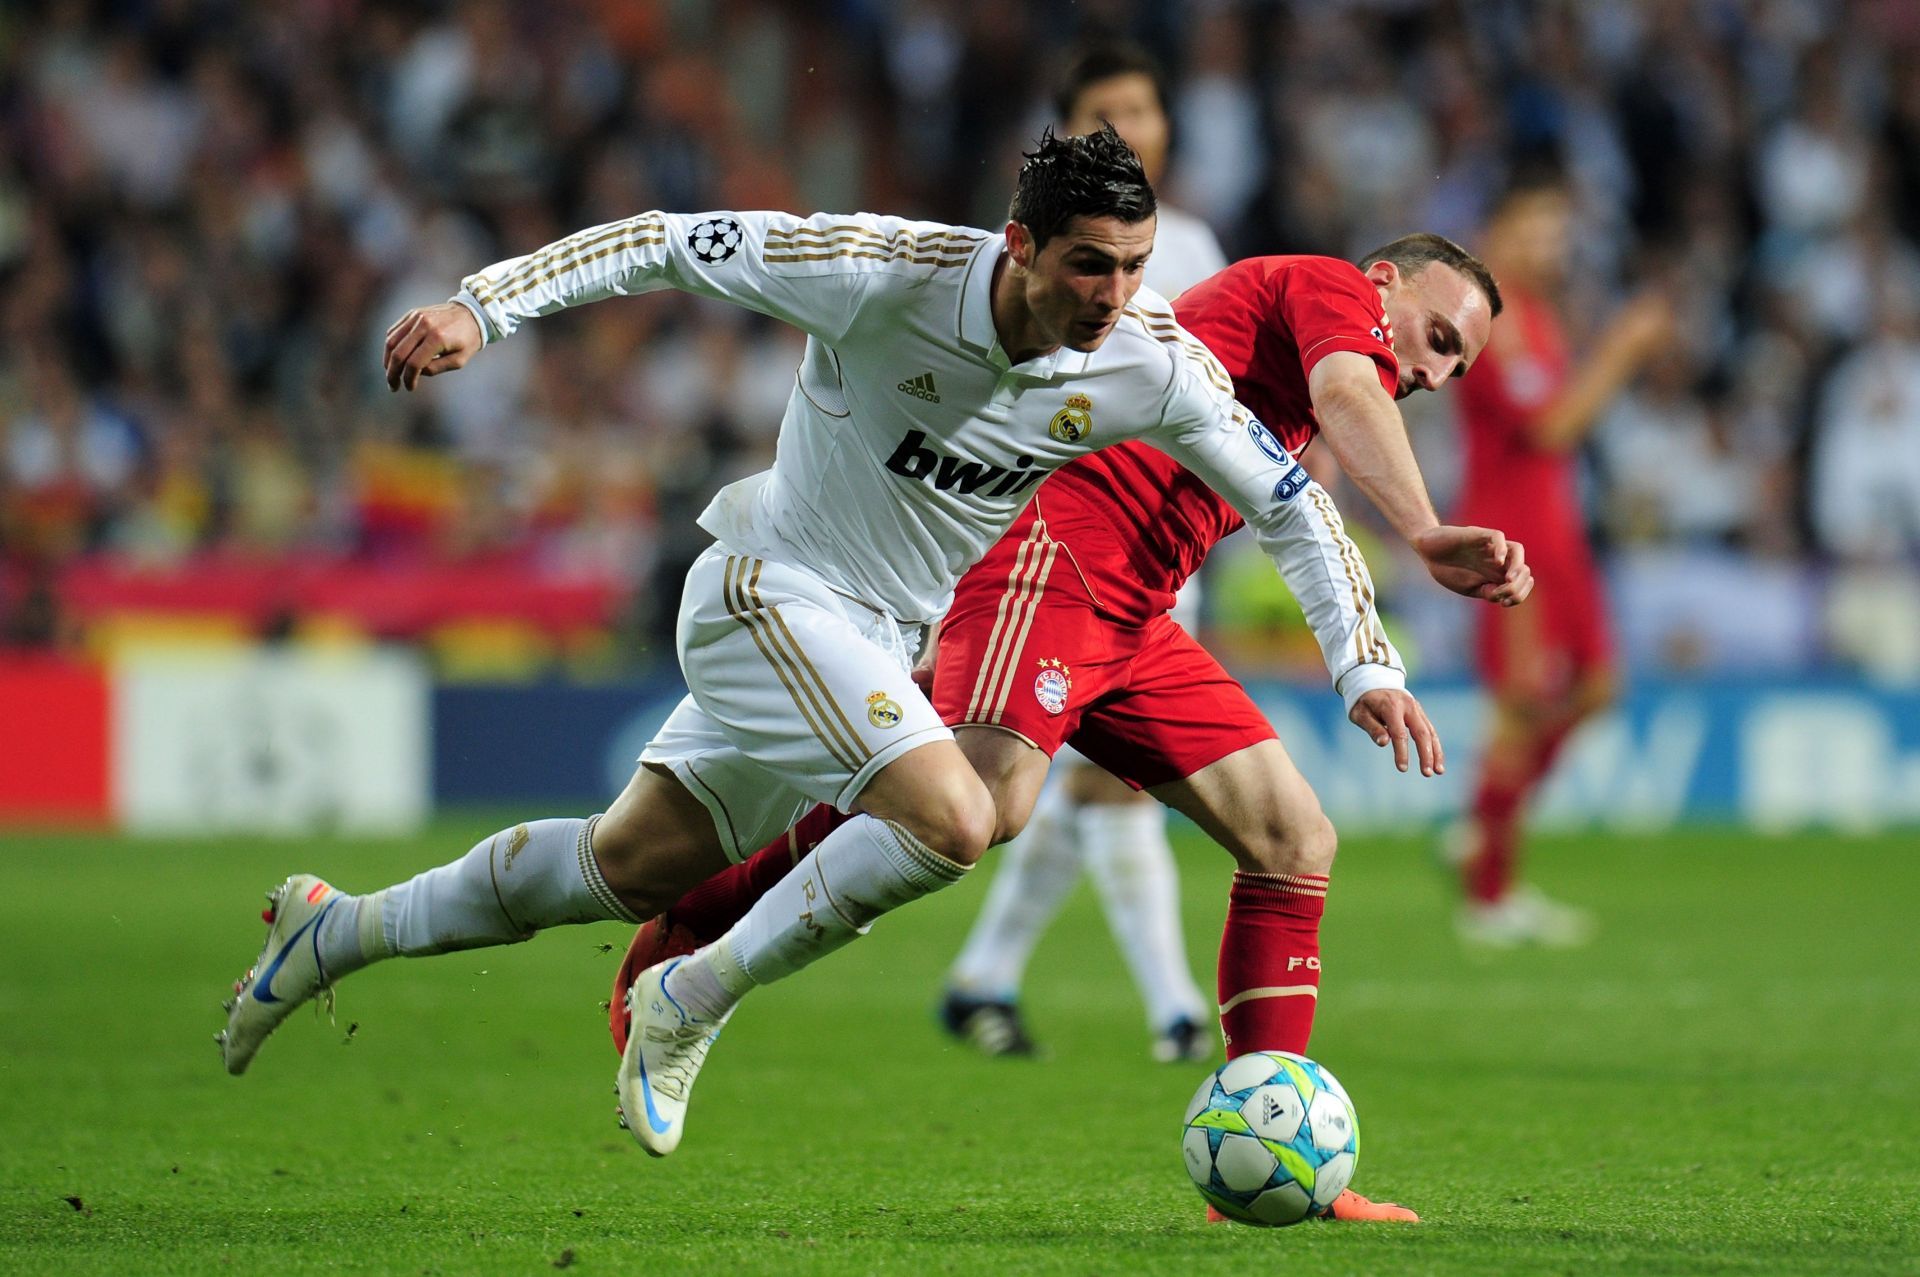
x=882 y=710
x=1051 y=685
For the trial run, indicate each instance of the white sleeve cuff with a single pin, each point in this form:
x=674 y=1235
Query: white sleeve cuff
x=472 y=303
x=1362 y=679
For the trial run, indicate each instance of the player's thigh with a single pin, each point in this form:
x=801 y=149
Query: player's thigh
x=1256 y=804
x=1023 y=650
x=1020 y=657
x=795 y=695
x=1013 y=769
x=1176 y=711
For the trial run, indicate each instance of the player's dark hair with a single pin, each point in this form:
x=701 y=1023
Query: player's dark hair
x=1105 y=61
x=1094 y=175
x=1414 y=253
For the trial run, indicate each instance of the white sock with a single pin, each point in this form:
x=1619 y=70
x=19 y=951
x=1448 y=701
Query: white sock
x=1131 y=862
x=858 y=872
x=519 y=881
x=1036 y=872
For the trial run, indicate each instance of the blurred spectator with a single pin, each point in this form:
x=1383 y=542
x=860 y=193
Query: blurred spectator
x=1866 y=457
x=209 y=211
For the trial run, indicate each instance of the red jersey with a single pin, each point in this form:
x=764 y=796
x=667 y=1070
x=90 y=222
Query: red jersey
x=1511 y=481
x=1138 y=525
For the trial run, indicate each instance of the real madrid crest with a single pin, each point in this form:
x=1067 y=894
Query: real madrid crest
x=1073 y=423
x=1052 y=685
x=883 y=710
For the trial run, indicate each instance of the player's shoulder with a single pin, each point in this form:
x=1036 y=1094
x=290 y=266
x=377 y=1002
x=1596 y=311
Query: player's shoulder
x=875 y=243
x=1313 y=273
x=1151 y=339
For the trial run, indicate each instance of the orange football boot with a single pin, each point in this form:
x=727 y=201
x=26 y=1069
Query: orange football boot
x=1349 y=1207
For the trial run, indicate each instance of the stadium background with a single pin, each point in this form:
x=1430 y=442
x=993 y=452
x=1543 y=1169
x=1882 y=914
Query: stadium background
x=209 y=211
x=243 y=588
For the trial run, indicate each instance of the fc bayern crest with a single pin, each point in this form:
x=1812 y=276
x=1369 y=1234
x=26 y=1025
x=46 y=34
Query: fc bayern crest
x=1052 y=686
x=715 y=240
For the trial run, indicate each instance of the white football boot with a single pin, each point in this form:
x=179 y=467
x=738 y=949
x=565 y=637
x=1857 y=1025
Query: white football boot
x=1524 y=917
x=665 y=1049
x=287 y=972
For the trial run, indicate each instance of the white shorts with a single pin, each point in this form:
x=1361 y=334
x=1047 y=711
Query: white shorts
x=797 y=694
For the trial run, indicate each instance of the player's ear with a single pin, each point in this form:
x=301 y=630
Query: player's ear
x=1020 y=250
x=1383 y=274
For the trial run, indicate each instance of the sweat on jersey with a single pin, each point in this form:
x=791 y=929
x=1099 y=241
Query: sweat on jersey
x=910 y=441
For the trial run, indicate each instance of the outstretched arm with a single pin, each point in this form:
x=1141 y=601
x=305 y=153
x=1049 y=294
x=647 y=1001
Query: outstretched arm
x=1364 y=430
x=811 y=272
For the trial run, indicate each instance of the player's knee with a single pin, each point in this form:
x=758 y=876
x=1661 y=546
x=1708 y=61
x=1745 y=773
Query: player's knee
x=1295 y=846
x=957 y=820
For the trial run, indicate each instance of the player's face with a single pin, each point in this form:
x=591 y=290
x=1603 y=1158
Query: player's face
x=1529 y=239
x=1076 y=287
x=1441 y=322
x=1130 y=103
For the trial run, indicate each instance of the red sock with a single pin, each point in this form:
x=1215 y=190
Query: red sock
x=1497 y=808
x=1496 y=813
x=1269 y=979
x=722 y=900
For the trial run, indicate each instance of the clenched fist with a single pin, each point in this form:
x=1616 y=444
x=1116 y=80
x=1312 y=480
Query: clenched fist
x=1477 y=562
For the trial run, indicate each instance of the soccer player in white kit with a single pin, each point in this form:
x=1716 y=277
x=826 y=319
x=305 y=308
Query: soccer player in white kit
x=1084 y=816
x=947 y=370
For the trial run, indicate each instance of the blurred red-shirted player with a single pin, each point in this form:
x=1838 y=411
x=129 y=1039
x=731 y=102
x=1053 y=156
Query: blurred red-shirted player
x=1547 y=666
x=1061 y=632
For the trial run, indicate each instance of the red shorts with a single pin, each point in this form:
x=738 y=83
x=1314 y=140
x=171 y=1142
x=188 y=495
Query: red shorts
x=1562 y=627
x=1023 y=649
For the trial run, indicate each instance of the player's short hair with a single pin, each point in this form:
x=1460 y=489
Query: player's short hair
x=1105 y=61
x=1414 y=253
x=1093 y=175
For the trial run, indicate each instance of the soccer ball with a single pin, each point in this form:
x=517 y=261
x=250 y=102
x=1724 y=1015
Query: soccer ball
x=1269 y=1138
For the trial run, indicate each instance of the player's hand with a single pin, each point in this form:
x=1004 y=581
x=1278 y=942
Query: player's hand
x=1646 y=325
x=1392 y=717
x=1477 y=562
x=923 y=668
x=428 y=341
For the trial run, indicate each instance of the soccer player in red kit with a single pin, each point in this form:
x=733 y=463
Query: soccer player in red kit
x=1548 y=666
x=1061 y=632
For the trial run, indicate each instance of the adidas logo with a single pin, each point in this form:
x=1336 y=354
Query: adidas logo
x=921 y=387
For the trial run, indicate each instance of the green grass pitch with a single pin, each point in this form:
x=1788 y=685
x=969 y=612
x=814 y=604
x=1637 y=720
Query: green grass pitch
x=1729 y=1082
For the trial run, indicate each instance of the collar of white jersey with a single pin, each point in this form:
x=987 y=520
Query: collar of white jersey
x=974 y=321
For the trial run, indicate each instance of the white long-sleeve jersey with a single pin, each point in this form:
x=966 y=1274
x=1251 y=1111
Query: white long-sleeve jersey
x=910 y=442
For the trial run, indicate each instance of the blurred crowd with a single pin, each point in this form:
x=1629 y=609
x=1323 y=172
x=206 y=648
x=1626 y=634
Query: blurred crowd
x=211 y=209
